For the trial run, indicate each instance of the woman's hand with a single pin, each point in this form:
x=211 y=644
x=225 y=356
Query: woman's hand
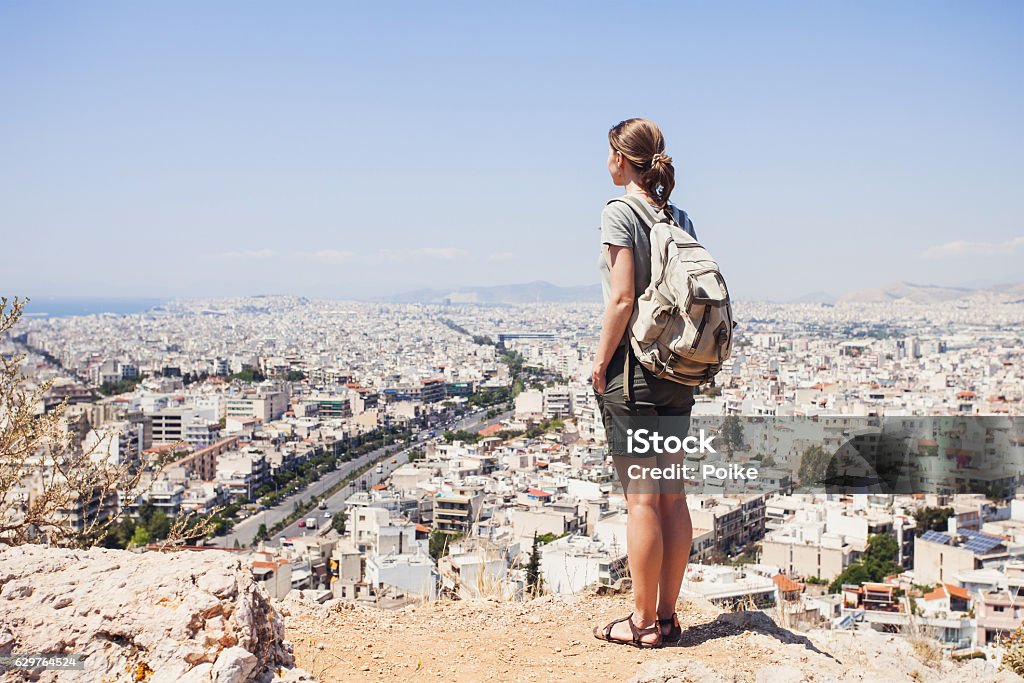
x=597 y=377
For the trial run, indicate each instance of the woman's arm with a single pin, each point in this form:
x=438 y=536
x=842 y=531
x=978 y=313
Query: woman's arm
x=616 y=313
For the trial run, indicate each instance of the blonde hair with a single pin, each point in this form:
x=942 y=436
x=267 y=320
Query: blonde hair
x=640 y=141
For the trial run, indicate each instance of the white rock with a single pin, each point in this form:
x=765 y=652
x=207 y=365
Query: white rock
x=234 y=665
x=780 y=674
x=187 y=616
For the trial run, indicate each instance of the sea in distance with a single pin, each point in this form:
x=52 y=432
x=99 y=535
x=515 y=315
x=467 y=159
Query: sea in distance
x=64 y=306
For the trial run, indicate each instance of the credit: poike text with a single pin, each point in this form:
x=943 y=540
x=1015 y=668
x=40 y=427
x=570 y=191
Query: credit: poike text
x=641 y=441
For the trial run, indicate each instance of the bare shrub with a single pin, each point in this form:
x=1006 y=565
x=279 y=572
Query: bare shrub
x=54 y=490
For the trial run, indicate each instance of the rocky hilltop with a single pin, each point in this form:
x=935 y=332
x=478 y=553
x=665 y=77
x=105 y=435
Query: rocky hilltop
x=188 y=617
x=194 y=617
x=932 y=294
x=549 y=640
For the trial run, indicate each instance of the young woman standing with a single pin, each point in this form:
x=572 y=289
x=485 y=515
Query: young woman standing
x=658 y=529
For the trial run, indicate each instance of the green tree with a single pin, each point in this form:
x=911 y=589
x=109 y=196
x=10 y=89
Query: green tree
x=880 y=557
x=221 y=525
x=731 y=433
x=140 y=537
x=533 y=577
x=159 y=525
x=548 y=536
x=461 y=435
x=877 y=562
x=932 y=519
x=121 y=386
x=248 y=375
x=338 y=522
x=439 y=542
x=120 y=535
x=813 y=466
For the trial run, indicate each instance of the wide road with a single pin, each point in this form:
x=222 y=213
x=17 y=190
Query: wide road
x=336 y=503
x=245 y=530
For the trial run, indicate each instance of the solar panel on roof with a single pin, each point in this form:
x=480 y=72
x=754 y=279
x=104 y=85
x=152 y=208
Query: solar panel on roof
x=936 y=537
x=978 y=542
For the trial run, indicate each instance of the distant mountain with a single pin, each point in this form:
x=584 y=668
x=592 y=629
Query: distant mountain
x=530 y=292
x=1008 y=293
x=924 y=294
x=545 y=292
x=815 y=298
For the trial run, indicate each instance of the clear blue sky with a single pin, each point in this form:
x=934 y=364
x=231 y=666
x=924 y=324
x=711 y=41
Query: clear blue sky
x=194 y=148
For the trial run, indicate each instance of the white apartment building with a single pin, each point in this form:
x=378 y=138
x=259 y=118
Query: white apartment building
x=267 y=405
x=557 y=401
x=413 y=573
x=529 y=405
x=805 y=546
x=728 y=586
x=572 y=563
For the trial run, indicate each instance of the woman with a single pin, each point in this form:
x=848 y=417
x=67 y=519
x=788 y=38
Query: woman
x=658 y=528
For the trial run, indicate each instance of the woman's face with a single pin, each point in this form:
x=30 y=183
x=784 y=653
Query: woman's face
x=615 y=166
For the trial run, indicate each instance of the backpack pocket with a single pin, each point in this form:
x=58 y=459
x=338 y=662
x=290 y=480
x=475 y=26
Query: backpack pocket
x=651 y=315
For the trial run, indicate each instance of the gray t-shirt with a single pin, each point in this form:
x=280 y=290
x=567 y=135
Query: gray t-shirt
x=621 y=226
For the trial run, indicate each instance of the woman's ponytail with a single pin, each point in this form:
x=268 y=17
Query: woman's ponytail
x=660 y=177
x=641 y=142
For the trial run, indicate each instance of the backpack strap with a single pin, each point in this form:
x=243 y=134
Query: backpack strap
x=627 y=369
x=646 y=213
x=648 y=217
x=643 y=210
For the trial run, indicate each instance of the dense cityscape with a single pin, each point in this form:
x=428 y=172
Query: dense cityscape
x=387 y=454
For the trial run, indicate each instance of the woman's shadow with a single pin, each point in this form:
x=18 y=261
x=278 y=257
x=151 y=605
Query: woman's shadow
x=735 y=623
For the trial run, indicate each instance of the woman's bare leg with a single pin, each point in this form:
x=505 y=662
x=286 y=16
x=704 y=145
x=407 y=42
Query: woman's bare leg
x=644 y=548
x=677 y=538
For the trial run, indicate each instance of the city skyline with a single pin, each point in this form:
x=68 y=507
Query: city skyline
x=343 y=152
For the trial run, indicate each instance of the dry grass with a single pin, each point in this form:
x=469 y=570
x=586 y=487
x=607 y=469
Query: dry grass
x=925 y=646
x=1013 y=652
x=927 y=649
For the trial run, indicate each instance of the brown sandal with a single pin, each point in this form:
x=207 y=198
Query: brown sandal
x=675 y=633
x=638 y=633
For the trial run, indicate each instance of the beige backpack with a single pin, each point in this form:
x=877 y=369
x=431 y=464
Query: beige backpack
x=681 y=327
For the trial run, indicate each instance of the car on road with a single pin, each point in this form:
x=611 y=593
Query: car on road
x=328 y=515
x=302 y=524
x=310 y=522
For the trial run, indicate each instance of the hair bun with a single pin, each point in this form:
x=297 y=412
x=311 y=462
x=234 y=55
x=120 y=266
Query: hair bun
x=662 y=158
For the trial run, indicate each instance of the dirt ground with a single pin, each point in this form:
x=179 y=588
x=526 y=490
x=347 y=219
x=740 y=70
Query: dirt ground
x=548 y=639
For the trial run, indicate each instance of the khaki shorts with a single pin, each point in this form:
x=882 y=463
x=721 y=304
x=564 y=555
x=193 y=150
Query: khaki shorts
x=655 y=404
